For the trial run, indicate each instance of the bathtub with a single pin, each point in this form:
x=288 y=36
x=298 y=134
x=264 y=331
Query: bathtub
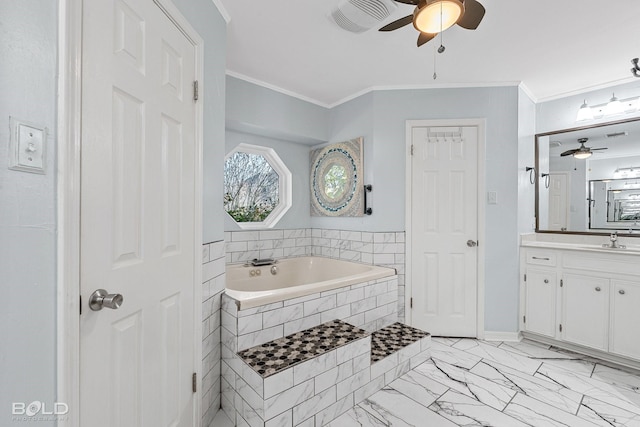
x=295 y=277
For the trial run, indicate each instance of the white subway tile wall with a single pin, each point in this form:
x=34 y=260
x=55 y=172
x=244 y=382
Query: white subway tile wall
x=379 y=248
x=213 y=283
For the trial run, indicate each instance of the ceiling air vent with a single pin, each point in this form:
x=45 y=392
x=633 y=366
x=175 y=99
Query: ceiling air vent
x=358 y=16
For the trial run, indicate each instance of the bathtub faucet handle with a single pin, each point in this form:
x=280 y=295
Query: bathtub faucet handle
x=274 y=270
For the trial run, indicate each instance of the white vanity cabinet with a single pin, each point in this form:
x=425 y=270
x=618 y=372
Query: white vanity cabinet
x=540 y=301
x=582 y=299
x=585 y=311
x=624 y=338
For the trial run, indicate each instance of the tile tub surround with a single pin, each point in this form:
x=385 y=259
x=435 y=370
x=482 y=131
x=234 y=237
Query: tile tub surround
x=379 y=248
x=317 y=390
x=213 y=282
x=371 y=306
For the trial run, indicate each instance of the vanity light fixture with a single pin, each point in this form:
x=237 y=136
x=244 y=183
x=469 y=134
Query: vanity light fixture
x=614 y=107
x=632 y=172
x=584 y=113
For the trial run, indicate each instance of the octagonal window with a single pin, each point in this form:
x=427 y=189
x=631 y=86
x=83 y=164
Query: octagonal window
x=257 y=186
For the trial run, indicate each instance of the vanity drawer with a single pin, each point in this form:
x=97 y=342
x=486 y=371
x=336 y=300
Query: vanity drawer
x=541 y=258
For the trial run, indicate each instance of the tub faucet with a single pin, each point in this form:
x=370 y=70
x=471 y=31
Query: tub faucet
x=265 y=261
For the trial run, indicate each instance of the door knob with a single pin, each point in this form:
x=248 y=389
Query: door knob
x=101 y=299
x=472 y=243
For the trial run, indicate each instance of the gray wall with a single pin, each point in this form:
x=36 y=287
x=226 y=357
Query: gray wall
x=526 y=158
x=296 y=158
x=27 y=208
x=207 y=21
x=380 y=117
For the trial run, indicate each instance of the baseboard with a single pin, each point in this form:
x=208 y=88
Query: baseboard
x=502 y=336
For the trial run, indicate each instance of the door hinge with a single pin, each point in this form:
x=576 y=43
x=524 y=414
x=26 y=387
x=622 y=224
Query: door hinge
x=412 y=149
x=194 y=382
x=525 y=277
x=195 y=90
x=560 y=327
x=561 y=283
x=80 y=305
x=411 y=302
x=524 y=319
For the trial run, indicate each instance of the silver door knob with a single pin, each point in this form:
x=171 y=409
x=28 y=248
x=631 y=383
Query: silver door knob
x=101 y=299
x=472 y=243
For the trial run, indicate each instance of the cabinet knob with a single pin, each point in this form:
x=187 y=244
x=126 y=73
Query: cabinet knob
x=546 y=280
x=598 y=289
x=621 y=292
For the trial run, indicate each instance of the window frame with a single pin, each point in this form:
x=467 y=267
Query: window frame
x=285 y=185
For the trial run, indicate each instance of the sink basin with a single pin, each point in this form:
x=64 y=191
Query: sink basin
x=631 y=250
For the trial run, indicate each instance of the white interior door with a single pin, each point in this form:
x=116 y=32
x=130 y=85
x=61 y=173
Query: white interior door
x=444 y=230
x=558 y=201
x=137 y=216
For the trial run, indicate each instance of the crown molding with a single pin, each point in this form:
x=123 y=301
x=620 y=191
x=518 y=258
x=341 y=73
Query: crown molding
x=222 y=10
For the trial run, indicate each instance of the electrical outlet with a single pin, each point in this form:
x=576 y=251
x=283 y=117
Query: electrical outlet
x=27 y=146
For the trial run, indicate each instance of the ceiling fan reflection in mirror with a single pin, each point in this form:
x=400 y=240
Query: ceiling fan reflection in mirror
x=431 y=17
x=582 y=152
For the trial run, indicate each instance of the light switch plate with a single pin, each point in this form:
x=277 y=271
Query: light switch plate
x=492 y=197
x=27 y=146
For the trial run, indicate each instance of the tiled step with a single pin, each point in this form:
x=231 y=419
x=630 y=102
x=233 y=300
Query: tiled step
x=396 y=349
x=311 y=377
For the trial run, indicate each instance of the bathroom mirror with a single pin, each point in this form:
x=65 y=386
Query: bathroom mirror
x=257 y=186
x=598 y=190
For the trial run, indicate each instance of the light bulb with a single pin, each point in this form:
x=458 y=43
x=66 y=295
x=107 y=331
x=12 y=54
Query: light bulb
x=613 y=107
x=584 y=113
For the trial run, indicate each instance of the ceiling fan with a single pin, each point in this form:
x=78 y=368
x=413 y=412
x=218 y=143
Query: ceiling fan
x=582 y=152
x=431 y=17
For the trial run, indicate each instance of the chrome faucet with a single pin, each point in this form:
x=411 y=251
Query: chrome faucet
x=614 y=242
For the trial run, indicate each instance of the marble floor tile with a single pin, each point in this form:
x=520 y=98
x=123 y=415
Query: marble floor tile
x=398 y=410
x=418 y=387
x=357 y=417
x=465 y=382
x=537 y=413
x=468 y=382
x=538 y=388
x=496 y=354
x=603 y=414
x=466 y=411
x=592 y=387
x=453 y=356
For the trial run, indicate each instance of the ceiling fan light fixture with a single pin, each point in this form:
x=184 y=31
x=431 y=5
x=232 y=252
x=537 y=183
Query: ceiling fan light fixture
x=437 y=15
x=581 y=155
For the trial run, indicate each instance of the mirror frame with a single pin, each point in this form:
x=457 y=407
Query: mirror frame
x=537 y=166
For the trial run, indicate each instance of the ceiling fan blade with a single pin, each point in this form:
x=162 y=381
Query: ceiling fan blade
x=413 y=2
x=473 y=14
x=425 y=37
x=596 y=149
x=398 y=23
x=568 y=152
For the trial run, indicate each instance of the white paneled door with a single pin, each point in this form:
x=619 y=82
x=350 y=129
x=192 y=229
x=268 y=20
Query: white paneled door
x=138 y=216
x=558 y=201
x=444 y=230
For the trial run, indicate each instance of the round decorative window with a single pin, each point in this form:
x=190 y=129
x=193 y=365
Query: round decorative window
x=336 y=179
